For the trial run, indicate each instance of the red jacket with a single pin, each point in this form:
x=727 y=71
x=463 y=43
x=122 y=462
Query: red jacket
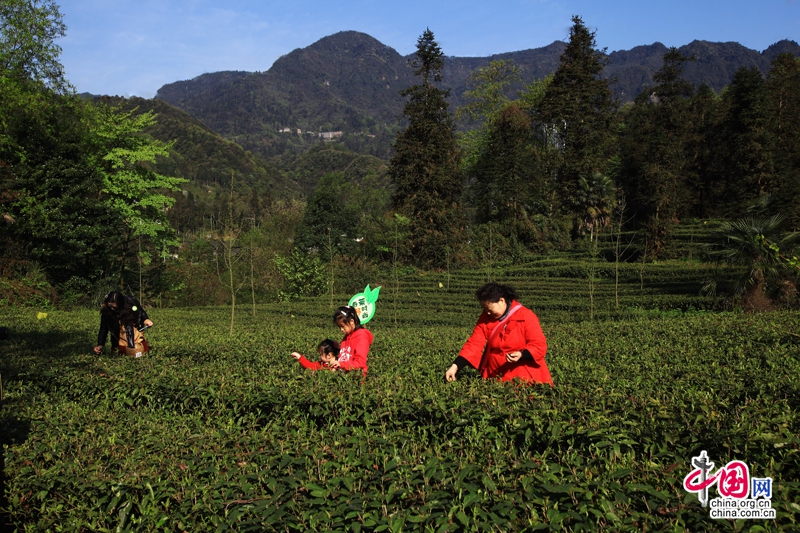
x=353 y=350
x=519 y=331
x=311 y=365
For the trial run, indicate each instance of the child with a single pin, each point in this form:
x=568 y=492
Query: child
x=355 y=345
x=328 y=352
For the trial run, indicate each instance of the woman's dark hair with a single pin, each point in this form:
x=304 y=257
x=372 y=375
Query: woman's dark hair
x=492 y=292
x=124 y=311
x=115 y=298
x=346 y=313
x=329 y=346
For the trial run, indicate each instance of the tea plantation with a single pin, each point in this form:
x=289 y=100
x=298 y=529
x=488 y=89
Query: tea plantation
x=212 y=432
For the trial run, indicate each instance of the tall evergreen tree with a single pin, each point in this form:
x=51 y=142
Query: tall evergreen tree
x=508 y=188
x=783 y=86
x=425 y=166
x=545 y=154
x=704 y=116
x=747 y=157
x=654 y=151
x=578 y=111
x=328 y=220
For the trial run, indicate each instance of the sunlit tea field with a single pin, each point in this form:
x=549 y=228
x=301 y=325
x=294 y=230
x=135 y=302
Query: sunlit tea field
x=218 y=432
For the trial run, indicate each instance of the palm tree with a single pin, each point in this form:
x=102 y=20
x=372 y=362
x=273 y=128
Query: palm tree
x=595 y=200
x=746 y=242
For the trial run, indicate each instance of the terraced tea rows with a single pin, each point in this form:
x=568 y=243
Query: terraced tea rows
x=211 y=432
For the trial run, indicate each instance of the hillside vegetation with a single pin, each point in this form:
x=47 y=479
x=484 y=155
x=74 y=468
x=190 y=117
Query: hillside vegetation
x=201 y=155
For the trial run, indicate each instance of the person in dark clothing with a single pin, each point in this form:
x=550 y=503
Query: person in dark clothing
x=123 y=317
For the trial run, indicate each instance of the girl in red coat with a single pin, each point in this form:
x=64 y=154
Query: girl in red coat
x=353 y=349
x=355 y=345
x=507 y=341
x=328 y=351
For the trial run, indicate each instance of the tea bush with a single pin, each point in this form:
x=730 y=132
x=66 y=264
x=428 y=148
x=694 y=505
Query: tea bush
x=211 y=432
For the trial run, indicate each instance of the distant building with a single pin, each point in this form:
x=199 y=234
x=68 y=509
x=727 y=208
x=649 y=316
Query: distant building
x=330 y=134
x=285 y=130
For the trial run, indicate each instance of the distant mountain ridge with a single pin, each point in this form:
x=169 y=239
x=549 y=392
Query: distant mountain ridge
x=714 y=64
x=350 y=82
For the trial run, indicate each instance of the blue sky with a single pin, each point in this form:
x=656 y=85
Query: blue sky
x=133 y=47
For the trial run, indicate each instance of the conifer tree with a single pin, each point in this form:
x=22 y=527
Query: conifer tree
x=704 y=118
x=747 y=151
x=503 y=169
x=425 y=166
x=783 y=86
x=502 y=156
x=578 y=110
x=654 y=151
x=329 y=221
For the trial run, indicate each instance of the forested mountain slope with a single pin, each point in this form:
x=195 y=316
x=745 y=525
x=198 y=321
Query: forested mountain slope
x=201 y=155
x=714 y=64
x=345 y=82
x=350 y=82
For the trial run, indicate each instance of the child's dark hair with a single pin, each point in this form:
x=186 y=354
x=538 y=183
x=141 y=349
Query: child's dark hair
x=346 y=313
x=329 y=346
x=492 y=292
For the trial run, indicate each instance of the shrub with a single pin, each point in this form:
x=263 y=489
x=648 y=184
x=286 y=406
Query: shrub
x=303 y=275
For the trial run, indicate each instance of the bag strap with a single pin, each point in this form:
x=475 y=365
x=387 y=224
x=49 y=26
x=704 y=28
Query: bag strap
x=495 y=331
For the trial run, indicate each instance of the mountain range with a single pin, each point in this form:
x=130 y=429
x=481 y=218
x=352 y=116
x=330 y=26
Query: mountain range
x=350 y=82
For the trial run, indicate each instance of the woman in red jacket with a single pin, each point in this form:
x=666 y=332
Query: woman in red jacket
x=507 y=341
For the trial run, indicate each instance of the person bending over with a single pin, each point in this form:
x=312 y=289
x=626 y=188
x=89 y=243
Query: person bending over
x=507 y=342
x=123 y=317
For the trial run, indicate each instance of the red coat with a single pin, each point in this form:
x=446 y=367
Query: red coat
x=519 y=331
x=311 y=365
x=353 y=350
